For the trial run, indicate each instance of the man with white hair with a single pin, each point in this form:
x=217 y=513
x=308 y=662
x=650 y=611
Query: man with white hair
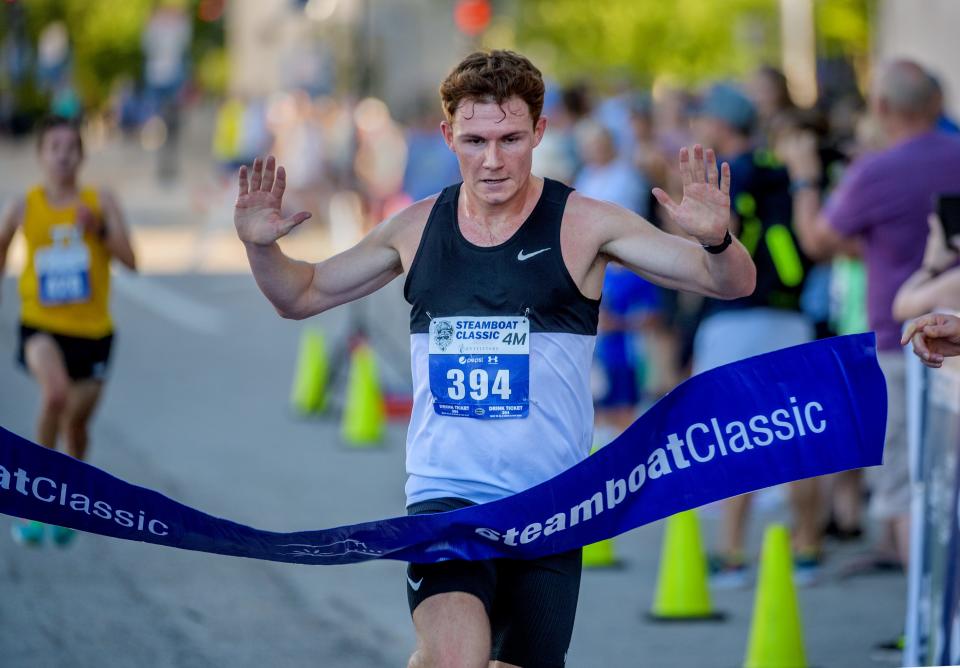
x=882 y=204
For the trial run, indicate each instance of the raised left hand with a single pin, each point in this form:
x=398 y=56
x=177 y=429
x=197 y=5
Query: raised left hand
x=704 y=211
x=798 y=151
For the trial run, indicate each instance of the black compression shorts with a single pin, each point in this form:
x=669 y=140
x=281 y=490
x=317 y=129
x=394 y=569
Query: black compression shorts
x=531 y=604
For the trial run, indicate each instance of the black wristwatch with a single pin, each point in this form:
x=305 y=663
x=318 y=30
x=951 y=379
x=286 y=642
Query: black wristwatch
x=720 y=247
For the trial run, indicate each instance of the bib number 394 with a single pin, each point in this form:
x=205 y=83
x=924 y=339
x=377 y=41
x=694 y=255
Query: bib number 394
x=480 y=367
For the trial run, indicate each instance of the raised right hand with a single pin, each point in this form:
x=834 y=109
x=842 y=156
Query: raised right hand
x=257 y=214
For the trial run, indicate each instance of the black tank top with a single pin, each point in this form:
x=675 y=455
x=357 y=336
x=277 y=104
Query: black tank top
x=524 y=275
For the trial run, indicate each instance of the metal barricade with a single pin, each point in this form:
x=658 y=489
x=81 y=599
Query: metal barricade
x=933 y=594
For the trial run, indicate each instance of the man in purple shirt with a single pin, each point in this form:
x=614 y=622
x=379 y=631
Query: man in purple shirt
x=880 y=207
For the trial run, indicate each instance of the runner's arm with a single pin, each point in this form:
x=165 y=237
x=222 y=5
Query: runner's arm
x=116 y=237
x=10 y=219
x=924 y=291
x=704 y=214
x=936 y=284
x=675 y=262
x=301 y=289
x=817 y=237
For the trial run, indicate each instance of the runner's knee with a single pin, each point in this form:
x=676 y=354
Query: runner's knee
x=54 y=398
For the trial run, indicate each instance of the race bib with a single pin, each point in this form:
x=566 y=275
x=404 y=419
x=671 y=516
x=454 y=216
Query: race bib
x=63 y=268
x=480 y=367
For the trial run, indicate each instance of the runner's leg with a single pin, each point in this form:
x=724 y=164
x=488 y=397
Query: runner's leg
x=848 y=499
x=453 y=631
x=736 y=513
x=535 y=609
x=82 y=400
x=45 y=362
x=805 y=502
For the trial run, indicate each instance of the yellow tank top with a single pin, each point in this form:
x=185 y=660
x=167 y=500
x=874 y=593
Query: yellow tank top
x=65 y=284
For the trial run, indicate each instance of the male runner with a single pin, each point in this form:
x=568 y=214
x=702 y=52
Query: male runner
x=504 y=254
x=71 y=232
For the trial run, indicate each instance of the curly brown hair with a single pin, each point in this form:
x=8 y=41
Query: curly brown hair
x=493 y=76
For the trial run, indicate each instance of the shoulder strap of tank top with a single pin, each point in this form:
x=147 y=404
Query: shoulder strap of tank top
x=439 y=222
x=449 y=193
x=545 y=227
x=36 y=196
x=34 y=204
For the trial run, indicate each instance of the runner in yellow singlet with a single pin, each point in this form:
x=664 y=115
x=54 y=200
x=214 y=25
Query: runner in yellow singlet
x=71 y=233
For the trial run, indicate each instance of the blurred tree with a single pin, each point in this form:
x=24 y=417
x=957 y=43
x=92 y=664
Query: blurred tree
x=690 y=41
x=843 y=27
x=105 y=38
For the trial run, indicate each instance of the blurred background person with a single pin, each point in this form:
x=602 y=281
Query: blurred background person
x=607 y=175
x=767 y=320
x=431 y=166
x=833 y=298
x=881 y=205
x=166 y=42
x=293 y=122
x=770 y=95
x=54 y=72
x=936 y=284
x=557 y=157
x=663 y=334
x=944 y=122
x=628 y=301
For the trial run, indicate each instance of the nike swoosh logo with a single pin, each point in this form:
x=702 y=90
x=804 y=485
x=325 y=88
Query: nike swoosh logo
x=415 y=586
x=521 y=256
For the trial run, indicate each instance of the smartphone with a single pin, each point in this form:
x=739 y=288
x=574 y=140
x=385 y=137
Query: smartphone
x=948 y=209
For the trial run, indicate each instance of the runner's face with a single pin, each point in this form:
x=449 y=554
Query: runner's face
x=60 y=153
x=494 y=146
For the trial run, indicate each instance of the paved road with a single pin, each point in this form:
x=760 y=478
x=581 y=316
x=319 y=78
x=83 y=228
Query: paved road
x=197 y=409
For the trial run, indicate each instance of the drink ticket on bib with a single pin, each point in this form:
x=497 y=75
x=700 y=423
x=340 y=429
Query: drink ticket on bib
x=63 y=268
x=480 y=366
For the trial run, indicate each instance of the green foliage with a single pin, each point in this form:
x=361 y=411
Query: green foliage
x=843 y=26
x=690 y=41
x=104 y=37
x=687 y=41
x=212 y=71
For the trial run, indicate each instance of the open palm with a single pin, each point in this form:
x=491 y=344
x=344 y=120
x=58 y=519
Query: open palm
x=704 y=211
x=257 y=213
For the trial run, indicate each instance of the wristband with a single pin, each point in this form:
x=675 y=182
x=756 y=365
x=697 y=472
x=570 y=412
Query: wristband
x=720 y=247
x=803 y=184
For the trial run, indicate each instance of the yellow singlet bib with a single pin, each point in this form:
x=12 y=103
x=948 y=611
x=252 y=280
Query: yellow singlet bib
x=65 y=284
